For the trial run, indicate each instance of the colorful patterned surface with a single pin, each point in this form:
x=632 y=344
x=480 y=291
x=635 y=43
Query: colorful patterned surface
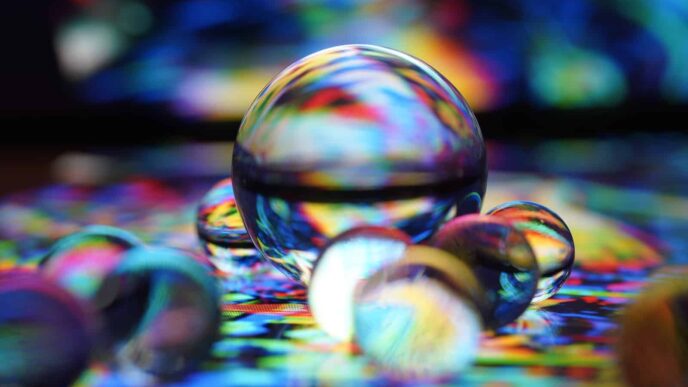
x=268 y=334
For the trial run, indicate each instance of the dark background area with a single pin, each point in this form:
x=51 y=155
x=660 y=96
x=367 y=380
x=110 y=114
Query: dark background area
x=45 y=112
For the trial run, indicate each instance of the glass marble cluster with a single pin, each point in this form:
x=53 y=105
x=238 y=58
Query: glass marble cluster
x=157 y=308
x=550 y=239
x=500 y=257
x=45 y=333
x=222 y=233
x=416 y=311
x=348 y=136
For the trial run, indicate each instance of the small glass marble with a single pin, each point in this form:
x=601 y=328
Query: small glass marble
x=416 y=317
x=80 y=261
x=501 y=258
x=166 y=307
x=550 y=239
x=45 y=333
x=347 y=260
x=348 y=136
x=222 y=233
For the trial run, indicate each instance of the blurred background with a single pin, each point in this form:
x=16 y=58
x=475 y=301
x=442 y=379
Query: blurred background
x=85 y=74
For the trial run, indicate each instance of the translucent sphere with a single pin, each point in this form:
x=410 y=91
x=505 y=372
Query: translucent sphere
x=652 y=339
x=45 y=334
x=81 y=261
x=166 y=307
x=222 y=233
x=343 y=264
x=348 y=136
x=416 y=317
x=550 y=239
x=500 y=257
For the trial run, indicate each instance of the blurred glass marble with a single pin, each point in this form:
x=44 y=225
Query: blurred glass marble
x=45 y=333
x=501 y=258
x=652 y=341
x=348 y=136
x=549 y=238
x=166 y=306
x=416 y=317
x=80 y=261
x=222 y=233
x=343 y=264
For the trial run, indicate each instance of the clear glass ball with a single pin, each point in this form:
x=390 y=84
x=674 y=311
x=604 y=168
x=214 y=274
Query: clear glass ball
x=419 y=316
x=222 y=233
x=345 y=263
x=81 y=261
x=166 y=310
x=348 y=136
x=45 y=333
x=550 y=239
x=500 y=257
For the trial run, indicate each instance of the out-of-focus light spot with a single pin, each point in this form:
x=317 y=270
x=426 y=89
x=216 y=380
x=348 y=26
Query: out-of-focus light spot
x=576 y=78
x=216 y=95
x=85 y=46
x=203 y=13
x=135 y=18
x=82 y=169
x=462 y=68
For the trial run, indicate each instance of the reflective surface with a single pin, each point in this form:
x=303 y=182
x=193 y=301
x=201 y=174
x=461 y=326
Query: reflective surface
x=344 y=264
x=80 y=262
x=501 y=258
x=222 y=233
x=166 y=308
x=549 y=238
x=415 y=318
x=44 y=331
x=353 y=135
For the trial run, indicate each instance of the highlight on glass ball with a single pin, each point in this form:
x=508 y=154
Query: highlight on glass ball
x=222 y=233
x=348 y=136
x=45 y=333
x=417 y=317
x=165 y=311
x=550 y=239
x=80 y=261
x=346 y=261
x=501 y=258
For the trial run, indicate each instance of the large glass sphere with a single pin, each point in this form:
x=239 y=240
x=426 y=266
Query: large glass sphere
x=349 y=136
